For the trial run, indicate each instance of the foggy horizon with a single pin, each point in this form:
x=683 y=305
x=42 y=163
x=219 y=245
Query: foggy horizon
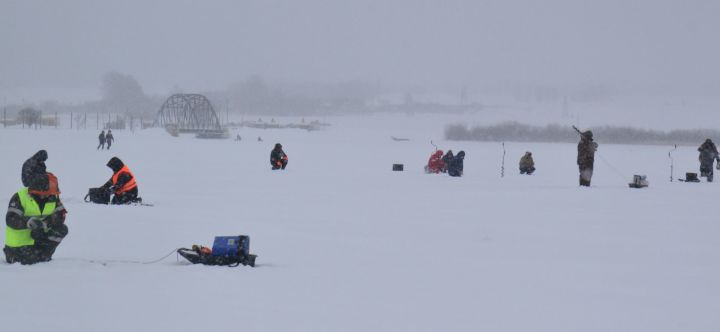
x=58 y=48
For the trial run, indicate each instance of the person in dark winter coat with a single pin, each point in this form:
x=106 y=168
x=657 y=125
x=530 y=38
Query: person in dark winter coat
x=278 y=158
x=446 y=159
x=101 y=138
x=109 y=139
x=708 y=155
x=34 y=224
x=456 y=164
x=122 y=183
x=34 y=172
x=586 y=157
x=527 y=164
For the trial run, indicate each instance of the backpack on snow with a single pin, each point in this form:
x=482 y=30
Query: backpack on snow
x=227 y=250
x=98 y=196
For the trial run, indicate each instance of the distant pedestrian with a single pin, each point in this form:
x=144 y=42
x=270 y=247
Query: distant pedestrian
x=527 y=164
x=238 y=138
x=109 y=139
x=708 y=155
x=101 y=138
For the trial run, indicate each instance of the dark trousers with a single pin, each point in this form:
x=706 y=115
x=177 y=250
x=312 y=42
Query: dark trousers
x=102 y=145
x=527 y=170
x=127 y=197
x=706 y=170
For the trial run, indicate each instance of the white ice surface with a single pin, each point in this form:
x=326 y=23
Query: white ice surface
x=345 y=244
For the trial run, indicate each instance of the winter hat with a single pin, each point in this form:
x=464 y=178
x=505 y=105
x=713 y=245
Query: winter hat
x=278 y=146
x=53 y=188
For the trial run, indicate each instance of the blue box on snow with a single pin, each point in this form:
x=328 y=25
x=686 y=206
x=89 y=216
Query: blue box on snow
x=231 y=245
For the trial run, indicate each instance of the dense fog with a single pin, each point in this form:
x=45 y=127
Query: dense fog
x=329 y=57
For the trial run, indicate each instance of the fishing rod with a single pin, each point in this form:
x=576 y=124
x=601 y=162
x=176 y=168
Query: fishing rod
x=672 y=162
x=502 y=166
x=433 y=144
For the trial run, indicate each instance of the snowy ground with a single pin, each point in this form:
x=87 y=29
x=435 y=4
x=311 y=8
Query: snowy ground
x=345 y=244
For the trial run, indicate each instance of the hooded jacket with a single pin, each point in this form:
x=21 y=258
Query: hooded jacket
x=456 y=164
x=277 y=155
x=122 y=179
x=436 y=164
x=527 y=162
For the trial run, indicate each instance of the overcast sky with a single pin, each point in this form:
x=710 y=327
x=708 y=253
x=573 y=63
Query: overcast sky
x=201 y=45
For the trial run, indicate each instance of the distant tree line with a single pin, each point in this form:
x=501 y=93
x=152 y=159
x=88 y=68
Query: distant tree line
x=518 y=132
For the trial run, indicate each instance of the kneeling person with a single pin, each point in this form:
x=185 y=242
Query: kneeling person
x=278 y=158
x=527 y=164
x=34 y=224
x=122 y=184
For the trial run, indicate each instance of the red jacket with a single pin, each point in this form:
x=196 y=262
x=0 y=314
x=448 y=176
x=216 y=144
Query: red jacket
x=435 y=164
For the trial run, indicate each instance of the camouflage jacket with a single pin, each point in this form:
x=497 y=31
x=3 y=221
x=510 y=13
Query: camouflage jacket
x=586 y=152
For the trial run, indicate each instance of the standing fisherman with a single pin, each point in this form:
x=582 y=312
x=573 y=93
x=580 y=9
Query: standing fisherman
x=586 y=156
x=708 y=155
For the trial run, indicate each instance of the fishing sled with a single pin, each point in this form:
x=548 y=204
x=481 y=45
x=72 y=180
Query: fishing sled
x=227 y=250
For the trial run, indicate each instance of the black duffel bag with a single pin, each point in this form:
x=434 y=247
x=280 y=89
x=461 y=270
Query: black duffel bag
x=98 y=196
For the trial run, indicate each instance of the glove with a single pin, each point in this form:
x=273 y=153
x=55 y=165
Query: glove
x=35 y=223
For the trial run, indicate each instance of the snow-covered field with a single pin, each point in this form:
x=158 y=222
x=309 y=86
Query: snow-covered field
x=345 y=244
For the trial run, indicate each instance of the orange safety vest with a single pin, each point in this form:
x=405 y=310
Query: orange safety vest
x=129 y=185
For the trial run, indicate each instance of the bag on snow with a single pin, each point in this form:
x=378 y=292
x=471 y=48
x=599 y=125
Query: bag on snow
x=226 y=250
x=98 y=196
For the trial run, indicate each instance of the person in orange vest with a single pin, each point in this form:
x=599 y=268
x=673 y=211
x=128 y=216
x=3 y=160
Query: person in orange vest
x=122 y=183
x=34 y=223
